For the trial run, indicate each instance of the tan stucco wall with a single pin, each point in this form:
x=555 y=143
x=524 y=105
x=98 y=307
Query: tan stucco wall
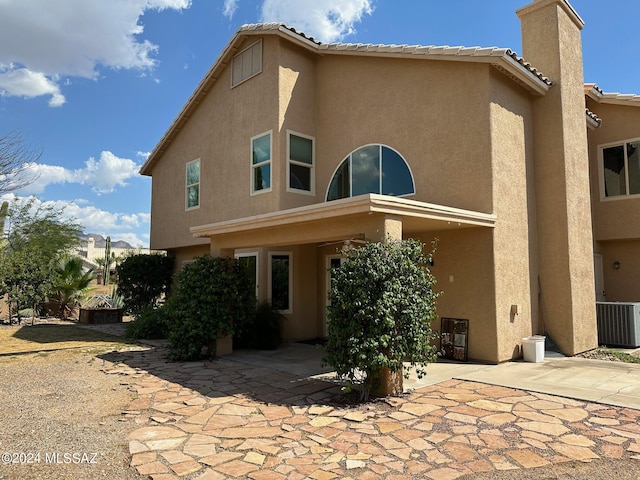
x=515 y=246
x=616 y=217
x=463 y=266
x=219 y=133
x=622 y=284
x=186 y=254
x=551 y=41
x=433 y=114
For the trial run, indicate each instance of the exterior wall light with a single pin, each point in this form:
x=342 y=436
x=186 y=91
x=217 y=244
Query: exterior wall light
x=616 y=265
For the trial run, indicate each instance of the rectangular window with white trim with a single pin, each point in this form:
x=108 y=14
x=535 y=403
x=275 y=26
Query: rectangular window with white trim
x=620 y=169
x=193 y=185
x=261 y=163
x=300 y=163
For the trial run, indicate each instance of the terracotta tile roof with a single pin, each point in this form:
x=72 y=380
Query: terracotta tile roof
x=596 y=93
x=592 y=118
x=426 y=50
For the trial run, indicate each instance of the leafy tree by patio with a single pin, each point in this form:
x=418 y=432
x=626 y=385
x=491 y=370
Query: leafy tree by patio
x=214 y=298
x=382 y=305
x=143 y=279
x=36 y=238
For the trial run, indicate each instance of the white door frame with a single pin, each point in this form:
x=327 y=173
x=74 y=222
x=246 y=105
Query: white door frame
x=327 y=287
x=598 y=274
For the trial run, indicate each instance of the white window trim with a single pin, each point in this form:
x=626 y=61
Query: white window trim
x=269 y=290
x=257 y=255
x=614 y=198
x=311 y=166
x=253 y=192
x=186 y=185
x=233 y=85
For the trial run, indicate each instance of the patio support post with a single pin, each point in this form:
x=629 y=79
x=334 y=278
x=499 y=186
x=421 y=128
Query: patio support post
x=224 y=344
x=390 y=383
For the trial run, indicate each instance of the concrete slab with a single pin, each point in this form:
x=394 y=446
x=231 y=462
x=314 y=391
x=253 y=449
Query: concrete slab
x=607 y=382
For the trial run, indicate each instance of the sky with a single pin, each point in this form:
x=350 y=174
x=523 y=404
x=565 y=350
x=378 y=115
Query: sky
x=93 y=85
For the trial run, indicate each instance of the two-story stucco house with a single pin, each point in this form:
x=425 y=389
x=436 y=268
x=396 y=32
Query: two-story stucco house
x=288 y=148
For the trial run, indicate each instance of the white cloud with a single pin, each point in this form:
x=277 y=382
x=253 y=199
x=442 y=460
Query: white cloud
x=107 y=173
x=21 y=82
x=325 y=20
x=119 y=226
x=41 y=41
x=229 y=8
x=103 y=175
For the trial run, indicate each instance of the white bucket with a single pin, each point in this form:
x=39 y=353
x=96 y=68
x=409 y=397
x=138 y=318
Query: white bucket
x=533 y=348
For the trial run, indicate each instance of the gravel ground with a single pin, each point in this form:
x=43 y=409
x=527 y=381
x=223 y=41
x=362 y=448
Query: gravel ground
x=59 y=403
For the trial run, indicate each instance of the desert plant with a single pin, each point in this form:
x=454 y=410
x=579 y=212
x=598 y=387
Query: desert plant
x=382 y=305
x=70 y=285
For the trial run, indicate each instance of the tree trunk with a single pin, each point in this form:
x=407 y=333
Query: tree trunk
x=388 y=383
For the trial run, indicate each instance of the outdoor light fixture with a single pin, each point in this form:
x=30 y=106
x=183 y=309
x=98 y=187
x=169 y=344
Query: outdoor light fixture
x=616 y=265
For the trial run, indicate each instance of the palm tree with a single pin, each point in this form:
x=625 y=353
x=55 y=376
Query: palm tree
x=71 y=282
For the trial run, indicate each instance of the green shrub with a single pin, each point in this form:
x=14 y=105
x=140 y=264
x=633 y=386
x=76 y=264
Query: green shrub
x=151 y=323
x=264 y=331
x=214 y=298
x=143 y=279
x=382 y=305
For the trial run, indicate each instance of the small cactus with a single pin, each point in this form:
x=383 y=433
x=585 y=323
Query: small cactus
x=4 y=211
x=107 y=261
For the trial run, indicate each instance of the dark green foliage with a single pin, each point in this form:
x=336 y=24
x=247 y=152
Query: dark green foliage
x=143 y=279
x=37 y=237
x=264 y=332
x=214 y=298
x=69 y=284
x=382 y=305
x=150 y=324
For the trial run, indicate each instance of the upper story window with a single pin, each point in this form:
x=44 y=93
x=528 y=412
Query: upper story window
x=620 y=167
x=261 y=163
x=300 y=163
x=246 y=64
x=193 y=184
x=371 y=169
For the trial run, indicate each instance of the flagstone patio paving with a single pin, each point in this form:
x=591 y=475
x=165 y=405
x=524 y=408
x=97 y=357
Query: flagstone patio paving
x=223 y=419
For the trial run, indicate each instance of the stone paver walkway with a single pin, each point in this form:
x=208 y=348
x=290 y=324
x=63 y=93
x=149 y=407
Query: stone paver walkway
x=222 y=419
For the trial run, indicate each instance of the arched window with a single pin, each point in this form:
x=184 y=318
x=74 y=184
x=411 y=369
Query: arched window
x=371 y=169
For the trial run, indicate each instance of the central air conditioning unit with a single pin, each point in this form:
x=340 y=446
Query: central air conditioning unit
x=618 y=323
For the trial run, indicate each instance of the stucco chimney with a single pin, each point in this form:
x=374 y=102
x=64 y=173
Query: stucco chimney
x=551 y=42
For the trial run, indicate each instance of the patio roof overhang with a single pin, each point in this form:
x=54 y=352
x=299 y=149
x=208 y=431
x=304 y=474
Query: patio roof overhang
x=340 y=219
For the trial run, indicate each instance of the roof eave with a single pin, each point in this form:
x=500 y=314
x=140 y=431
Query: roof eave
x=368 y=203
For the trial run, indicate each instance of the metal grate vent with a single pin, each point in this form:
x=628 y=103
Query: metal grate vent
x=618 y=324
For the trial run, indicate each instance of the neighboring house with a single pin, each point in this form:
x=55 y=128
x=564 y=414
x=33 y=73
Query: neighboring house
x=289 y=149
x=90 y=253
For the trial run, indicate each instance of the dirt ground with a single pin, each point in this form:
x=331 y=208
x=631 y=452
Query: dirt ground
x=61 y=418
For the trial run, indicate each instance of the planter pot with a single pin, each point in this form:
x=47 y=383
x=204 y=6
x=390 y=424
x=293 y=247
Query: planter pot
x=100 y=315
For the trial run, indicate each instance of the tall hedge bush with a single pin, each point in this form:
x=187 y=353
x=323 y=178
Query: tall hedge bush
x=382 y=305
x=143 y=279
x=214 y=297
